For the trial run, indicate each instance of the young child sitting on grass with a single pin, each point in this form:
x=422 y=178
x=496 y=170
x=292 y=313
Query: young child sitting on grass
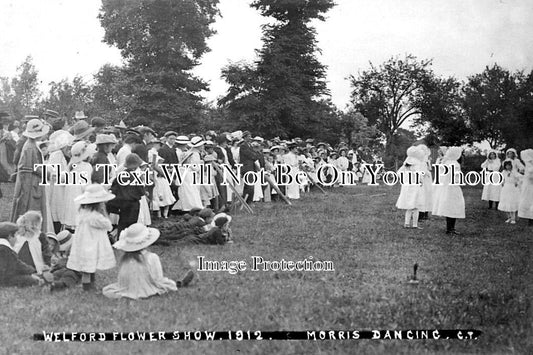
x=13 y=271
x=220 y=232
x=63 y=277
x=32 y=244
x=140 y=273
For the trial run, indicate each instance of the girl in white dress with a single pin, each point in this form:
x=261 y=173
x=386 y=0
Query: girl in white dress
x=491 y=192
x=411 y=197
x=79 y=164
x=510 y=193
x=291 y=159
x=162 y=197
x=449 y=201
x=525 y=206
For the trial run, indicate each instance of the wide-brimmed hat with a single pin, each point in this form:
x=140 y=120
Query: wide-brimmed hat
x=36 y=128
x=136 y=237
x=453 y=154
x=237 y=135
x=527 y=155
x=98 y=122
x=121 y=125
x=145 y=129
x=133 y=161
x=59 y=140
x=196 y=142
x=64 y=238
x=81 y=130
x=171 y=133
x=183 y=140
x=81 y=151
x=258 y=139
x=105 y=139
x=94 y=193
x=79 y=115
x=220 y=215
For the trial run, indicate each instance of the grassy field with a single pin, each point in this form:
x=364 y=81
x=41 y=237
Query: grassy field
x=480 y=279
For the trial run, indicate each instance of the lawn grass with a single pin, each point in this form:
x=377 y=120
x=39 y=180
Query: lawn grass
x=480 y=279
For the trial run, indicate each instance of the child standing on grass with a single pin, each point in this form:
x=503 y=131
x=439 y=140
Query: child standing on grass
x=411 y=197
x=140 y=272
x=91 y=249
x=510 y=193
x=448 y=200
x=525 y=206
x=491 y=192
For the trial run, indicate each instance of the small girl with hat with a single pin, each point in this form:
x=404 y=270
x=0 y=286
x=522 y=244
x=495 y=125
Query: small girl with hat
x=411 y=197
x=525 y=205
x=140 y=273
x=162 y=197
x=510 y=193
x=91 y=249
x=79 y=166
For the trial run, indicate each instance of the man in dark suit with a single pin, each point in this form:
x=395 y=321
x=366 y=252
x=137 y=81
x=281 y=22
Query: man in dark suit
x=247 y=157
x=168 y=150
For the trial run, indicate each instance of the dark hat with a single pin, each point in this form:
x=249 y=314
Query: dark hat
x=195 y=211
x=246 y=134
x=133 y=161
x=144 y=129
x=170 y=133
x=98 y=122
x=206 y=213
x=51 y=114
x=81 y=129
x=7 y=229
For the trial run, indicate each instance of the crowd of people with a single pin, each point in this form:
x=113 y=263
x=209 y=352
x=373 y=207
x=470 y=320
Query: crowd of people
x=63 y=231
x=82 y=209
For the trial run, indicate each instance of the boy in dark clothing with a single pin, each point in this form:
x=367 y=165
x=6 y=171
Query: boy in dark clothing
x=13 y=272
x=127 y=197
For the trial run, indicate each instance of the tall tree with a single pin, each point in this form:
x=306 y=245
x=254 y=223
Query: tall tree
x=489 y=101
x=440 y=106
x=284 y=92
x=66 y=96
x=21 y=94
x=161 y=41
x=387 y=94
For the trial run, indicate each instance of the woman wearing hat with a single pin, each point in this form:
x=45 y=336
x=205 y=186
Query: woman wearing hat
x=291 y=159
x=91 y=249
x=104 y=146
x=60 y=143
x=140 y=273
x=29 y=194
x=525 y=206
x=80 y=169
x=189 y=193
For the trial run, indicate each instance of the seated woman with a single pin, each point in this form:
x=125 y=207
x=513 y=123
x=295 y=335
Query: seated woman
x=13 y=271
x=140 y=272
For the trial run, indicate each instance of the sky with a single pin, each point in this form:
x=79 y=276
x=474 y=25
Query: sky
x=462 y=37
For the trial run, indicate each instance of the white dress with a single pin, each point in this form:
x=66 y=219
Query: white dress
x=189 y=194
x=73 y=191
x=91 y=249
x=411 y=195
x=57 y=192
x=161 y=194
x=448 y=200
x=293 y=189
x=491 y=192
x=525 y=206
x=510 y=193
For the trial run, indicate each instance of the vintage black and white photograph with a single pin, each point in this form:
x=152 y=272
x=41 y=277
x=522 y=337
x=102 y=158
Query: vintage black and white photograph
x=266 y=176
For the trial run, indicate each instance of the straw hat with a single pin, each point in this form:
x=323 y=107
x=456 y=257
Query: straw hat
x=59 y=140
x=64 y=238
x=183 y=140
x=196 y=142
x=36 y=128
x=79 y=115
x=220 y=215
x=121 y=125
x=81 y=129
x=453 y=154
x=171 y=133
x=136 y=237
x=94 y=193
x=81 y=151
x=105 y=139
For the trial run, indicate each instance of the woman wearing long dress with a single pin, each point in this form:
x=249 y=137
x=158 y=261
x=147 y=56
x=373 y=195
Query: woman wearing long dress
x=291 y=159
x=189 y=193
x=29 y=194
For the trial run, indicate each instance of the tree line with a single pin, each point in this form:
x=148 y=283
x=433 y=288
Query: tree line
x=283 y=92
